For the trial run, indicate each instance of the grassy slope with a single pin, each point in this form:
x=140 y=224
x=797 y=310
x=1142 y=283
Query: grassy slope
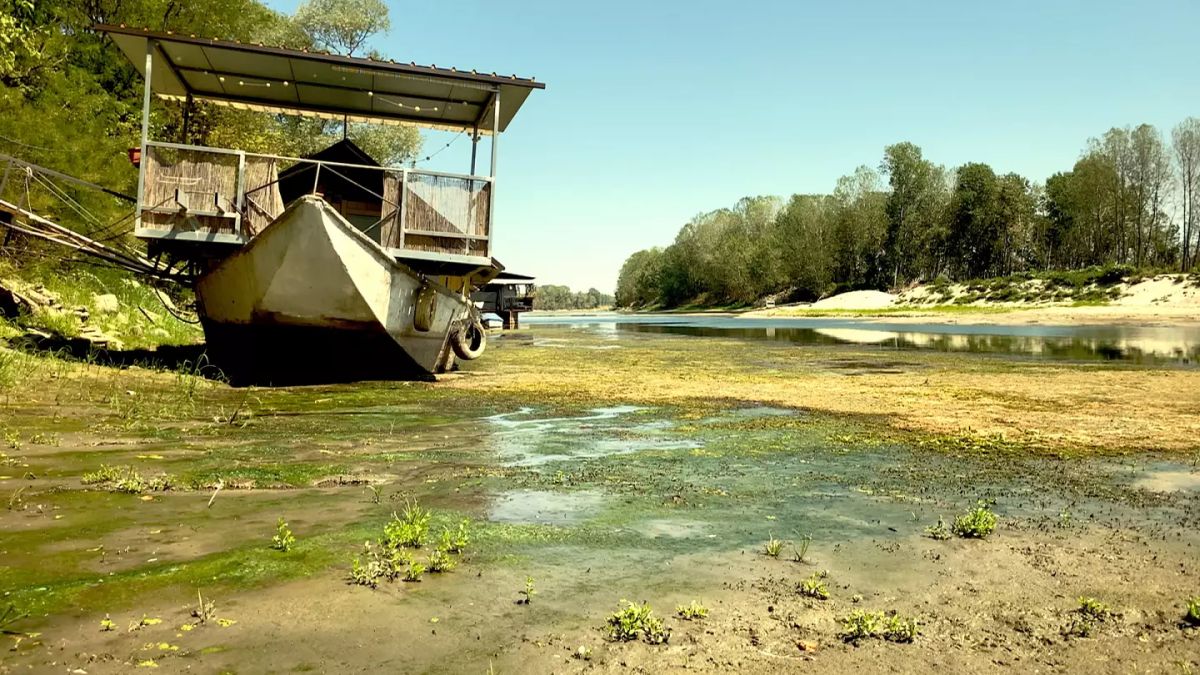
x=140 y=322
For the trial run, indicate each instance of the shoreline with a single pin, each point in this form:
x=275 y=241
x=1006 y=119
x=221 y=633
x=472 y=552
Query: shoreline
x=1089 y=315
x=1052 y=315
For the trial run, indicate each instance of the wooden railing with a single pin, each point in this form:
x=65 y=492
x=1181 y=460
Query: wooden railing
x=194 y=193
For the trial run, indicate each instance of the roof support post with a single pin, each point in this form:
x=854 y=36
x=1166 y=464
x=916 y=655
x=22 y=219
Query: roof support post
x=146 y=86
x=474 y=147
x=187 y=117
x=492 y=192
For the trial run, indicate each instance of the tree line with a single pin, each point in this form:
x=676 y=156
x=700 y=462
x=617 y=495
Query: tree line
x=1130 y=199
x=562 y=297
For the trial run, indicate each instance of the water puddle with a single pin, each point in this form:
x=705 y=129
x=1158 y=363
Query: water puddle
x=526 y=440
x=1169 y=481
x=540 y=507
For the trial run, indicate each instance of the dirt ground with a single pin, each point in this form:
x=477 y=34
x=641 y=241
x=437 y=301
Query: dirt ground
x=595 y=468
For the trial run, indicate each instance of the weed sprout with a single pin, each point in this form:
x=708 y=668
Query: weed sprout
x=691 y=612
x=636 y=621
x=283 y=539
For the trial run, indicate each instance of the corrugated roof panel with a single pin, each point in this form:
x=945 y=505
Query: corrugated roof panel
x=270 y=78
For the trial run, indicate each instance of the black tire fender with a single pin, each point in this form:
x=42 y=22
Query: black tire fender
x=470 y=341
x=426 y=305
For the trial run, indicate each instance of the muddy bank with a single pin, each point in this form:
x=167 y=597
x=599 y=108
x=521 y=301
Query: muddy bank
x=596 y=467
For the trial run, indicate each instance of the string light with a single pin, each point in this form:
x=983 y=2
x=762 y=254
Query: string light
x=398 y=104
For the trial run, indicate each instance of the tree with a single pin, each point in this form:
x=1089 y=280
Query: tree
x=343 y=26
x=914 y=238
x=1185 y=139
x=1150 y=166
x=806 y=242
x=973 y=241
x=859 y=230
x=638 y=281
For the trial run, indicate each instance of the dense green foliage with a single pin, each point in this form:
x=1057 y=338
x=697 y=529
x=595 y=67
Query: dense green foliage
x=562 y=297
x=70 y=101
x=1129 y=200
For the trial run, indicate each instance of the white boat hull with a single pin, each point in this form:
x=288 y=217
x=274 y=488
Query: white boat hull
x=312 y=295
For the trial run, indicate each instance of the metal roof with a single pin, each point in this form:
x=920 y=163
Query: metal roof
x=273 y=79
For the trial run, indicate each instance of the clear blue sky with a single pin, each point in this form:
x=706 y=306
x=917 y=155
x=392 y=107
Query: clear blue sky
x=658 y=110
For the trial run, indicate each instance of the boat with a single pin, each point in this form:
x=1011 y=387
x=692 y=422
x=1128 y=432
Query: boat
x=328 y=267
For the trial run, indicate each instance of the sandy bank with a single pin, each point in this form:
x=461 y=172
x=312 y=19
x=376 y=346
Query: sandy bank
x=1167 y=299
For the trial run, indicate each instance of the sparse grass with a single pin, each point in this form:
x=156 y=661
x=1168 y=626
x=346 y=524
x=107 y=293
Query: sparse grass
x=283 y=539
x=940 y=531
x=126 y=479
x=890 y=626
x=10 y=616
x=814 y=586
x=800 y=551
x=15 y=367
x=635 y=621
x=691 y=612
x=140 y=321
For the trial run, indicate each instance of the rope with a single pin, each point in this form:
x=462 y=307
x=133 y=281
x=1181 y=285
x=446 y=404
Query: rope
x=23 y=145
x=169 y=310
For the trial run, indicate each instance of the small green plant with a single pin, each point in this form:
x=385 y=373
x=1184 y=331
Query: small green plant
x=375 y=492
x=977 y=523
x=941 y=531
x=409 y=528
x=205 y=609
x=283 y=539
x=107 y=625
x=636 y=621
x=889 y=626
x=1094 y=609
x=440 y=561
x=367 y=569
x=12 y=438
x=773 y=547
x=691 y=612
x=800 y=552
x=814 y=586
x=414 y=572
x=460 y=537
x=528 y=592
x=1084 y=620
x=1193 y=611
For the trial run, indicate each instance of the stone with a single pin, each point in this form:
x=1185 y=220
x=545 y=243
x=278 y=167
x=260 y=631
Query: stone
x=106 y=303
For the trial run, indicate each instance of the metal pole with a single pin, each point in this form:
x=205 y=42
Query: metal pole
x=403 y=205
x=474 y=147
x=240 y=197
x=146 y=86
x=187 y=117
x=492 y=193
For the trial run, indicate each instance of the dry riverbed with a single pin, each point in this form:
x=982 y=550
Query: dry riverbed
x=598 y=467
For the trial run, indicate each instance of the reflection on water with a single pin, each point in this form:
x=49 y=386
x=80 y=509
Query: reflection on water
x=1137 y=344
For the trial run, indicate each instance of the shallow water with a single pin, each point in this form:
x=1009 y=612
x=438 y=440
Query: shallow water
x=1149 y=345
